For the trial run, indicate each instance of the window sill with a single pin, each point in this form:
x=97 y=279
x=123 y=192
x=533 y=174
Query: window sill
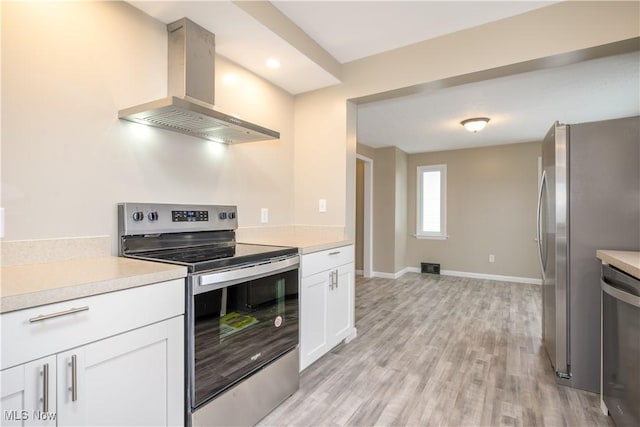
x=423 y=237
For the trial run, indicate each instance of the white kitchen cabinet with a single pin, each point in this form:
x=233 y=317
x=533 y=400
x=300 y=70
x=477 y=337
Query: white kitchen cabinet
x=28 y=396
x=130 y=375
x=326 y=302
x=129 y=379
x=341 y=304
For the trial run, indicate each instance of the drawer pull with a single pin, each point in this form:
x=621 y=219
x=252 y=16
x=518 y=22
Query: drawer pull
x=58 y=314
x=334 y=253
x=45 y=387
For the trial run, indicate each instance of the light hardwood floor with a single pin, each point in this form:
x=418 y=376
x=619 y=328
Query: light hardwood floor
x=439 y=351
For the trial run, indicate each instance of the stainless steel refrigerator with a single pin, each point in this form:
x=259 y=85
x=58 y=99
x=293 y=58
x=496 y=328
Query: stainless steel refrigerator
x=589 y=199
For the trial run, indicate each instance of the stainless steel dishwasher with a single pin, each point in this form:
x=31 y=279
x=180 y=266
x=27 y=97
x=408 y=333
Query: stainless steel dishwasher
x=621 y=346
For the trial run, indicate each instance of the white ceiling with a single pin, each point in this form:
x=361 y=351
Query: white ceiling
x=351 y=30
x=521 y=107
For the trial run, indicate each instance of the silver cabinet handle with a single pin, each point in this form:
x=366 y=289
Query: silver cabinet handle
x=334 y=253
x=45 y=387
x=74 y=378
x=58 y=314
x=334 y=279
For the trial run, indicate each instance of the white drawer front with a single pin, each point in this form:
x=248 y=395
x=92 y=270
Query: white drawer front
x=25 y=337
x=326 y=260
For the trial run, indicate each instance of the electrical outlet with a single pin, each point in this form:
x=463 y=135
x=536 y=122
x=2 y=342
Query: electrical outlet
x=492 y=258
x=322 y=205
x=264 y=215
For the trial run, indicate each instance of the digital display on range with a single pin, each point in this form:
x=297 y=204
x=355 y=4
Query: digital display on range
x=189 y=216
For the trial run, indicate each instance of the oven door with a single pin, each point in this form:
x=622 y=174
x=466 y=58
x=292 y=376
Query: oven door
x=621 y=346
x=239 y=320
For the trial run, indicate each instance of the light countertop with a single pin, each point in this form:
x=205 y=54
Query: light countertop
x=311 y=247
x=31 y=285
x=43 y=272
x=308 y=239
x=627 y=261
x=304 y=245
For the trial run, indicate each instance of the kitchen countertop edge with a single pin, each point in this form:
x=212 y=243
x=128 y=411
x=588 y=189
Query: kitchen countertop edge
x=101 y=275
x=305 y=250
x=305 y=246
x=627 y=261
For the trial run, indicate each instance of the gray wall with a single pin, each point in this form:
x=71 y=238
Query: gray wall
x=491 y=209
x=401 y=229
x=384 y=214
x=491 y=204
x=389 y=209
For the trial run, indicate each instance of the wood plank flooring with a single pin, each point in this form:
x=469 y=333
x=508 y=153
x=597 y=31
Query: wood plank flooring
x=439 y=351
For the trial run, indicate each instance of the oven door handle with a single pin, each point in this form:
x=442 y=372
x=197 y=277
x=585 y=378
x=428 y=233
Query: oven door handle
x=218 y=280
x=620 y=294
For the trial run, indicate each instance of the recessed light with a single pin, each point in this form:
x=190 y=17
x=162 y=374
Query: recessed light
x=273 y=63
x=230 y=79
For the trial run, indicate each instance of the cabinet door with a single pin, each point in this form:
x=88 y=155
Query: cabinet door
x=135 y=378
x=28 y=394
x=313 y=317
x=340 y=305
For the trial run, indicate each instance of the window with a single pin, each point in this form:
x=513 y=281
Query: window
x=431 y=217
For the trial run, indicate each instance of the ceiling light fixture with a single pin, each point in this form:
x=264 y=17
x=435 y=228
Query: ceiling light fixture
x=475 y=124
x=273 y=63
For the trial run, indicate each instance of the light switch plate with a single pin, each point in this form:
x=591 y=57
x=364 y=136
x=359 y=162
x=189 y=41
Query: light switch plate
x=264 y=215
x=322 y=205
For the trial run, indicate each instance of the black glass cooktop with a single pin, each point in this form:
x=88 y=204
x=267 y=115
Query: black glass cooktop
x=217 y=256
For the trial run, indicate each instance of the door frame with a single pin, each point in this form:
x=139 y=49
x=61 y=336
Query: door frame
x=367 y=235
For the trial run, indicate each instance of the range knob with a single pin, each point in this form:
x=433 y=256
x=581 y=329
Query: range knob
x=232 y=215
x=153 y=216
x=138 y=216
x=222 y=215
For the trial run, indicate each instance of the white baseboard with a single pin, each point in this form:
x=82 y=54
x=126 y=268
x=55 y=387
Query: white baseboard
x=352 y=335
x=384 y=275
x=397 y=275
x=603 y=407
x=500 y=278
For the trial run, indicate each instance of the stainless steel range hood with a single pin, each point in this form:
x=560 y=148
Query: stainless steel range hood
x=189 y=107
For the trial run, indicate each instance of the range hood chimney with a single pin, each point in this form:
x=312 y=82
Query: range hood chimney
x=189 y=107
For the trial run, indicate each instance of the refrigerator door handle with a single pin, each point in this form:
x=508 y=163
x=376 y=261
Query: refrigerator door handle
x=543 y=182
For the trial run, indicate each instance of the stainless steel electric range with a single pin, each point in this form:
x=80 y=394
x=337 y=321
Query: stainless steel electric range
x=241 y=313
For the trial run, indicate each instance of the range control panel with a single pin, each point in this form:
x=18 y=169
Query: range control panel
x=154 y=218
x=182 y=216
